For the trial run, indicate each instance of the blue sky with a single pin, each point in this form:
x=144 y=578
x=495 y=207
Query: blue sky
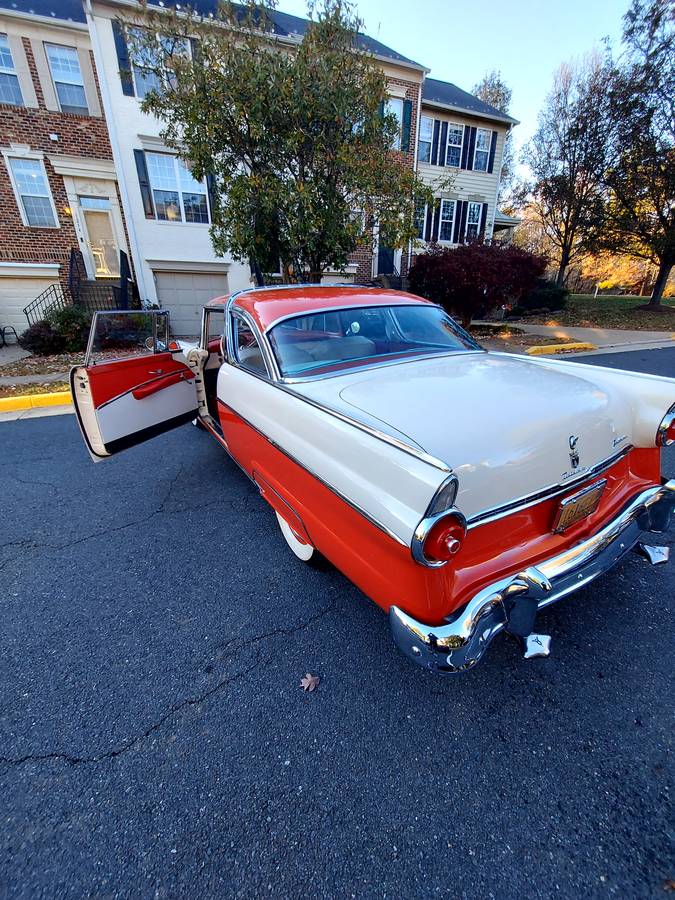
x=459 y=41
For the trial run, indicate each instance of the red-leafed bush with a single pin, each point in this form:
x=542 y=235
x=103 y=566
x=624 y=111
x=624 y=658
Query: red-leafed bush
x=474 y=278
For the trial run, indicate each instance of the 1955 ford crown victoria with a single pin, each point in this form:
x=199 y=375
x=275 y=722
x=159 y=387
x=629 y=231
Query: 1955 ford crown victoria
x=461 y=490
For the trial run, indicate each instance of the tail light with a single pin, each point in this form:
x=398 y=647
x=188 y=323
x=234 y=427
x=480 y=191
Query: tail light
x=666 y=433
x=445 y=538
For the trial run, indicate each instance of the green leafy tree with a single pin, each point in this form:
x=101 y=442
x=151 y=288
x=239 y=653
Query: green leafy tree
x=293 y=134
x=493 y=89
x=639 y=178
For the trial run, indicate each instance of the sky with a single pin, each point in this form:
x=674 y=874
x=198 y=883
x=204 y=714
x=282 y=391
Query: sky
x=525 y=40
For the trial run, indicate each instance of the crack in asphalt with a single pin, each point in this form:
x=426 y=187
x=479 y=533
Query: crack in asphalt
x=13 y=762
x=161 y=510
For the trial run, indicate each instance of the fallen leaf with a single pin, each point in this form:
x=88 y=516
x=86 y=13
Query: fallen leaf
x=309 y=682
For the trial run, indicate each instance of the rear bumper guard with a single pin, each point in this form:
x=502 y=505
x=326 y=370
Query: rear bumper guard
x=513 y=603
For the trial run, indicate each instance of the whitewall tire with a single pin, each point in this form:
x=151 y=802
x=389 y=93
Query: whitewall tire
x=303 y=551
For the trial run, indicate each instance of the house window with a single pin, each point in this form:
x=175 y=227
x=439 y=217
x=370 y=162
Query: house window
x=454 y=149
x=447 y=218
x=67 y=77
x=482 y=153
x=394 y=107
x=420 y=218
x=148 y=57
x=426 y=137
x=10 y=92
x=178 y=197
x=32 y=192
x=473 y=221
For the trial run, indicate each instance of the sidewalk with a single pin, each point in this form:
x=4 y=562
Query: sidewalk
x=603 y=338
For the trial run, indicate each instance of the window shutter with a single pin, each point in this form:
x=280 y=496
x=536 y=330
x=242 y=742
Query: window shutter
x=434 y=143
x=194 y=49
x=407 y=120
x=466 y=137
x=380 y=109
x=493 y=148
x=429 y=222
x=483 y=217
x=211 y=191
x=471 y=148
x=443 y=149
x=462 y=221
x=123 y=60
x=436 y=222
x=144 y=182
x=460 y=207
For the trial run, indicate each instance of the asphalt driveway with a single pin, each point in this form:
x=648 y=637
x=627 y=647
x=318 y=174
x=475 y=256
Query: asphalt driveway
x=154 y=741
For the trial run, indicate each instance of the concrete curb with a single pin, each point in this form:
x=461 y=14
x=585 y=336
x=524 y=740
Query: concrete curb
x=544 y=349
x=33 y=401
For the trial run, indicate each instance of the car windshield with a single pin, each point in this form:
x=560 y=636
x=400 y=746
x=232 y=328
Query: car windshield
x=337 y=339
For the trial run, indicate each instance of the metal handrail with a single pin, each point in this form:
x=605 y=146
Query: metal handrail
x=53 y=297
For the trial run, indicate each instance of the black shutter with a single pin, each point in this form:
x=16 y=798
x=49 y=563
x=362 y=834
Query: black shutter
x=443 y=149
x=434 y=143
x=483 y=218
x=458 y=216
x=429 y=222
x=123 y=59
x=437 y=221
x=380 y=109
x=466 y=137
x=144 y=182
x=194 y=50
x=471 y=147
x=407 y=119
x=211 y=191
x=462 y=221
x=493 y=148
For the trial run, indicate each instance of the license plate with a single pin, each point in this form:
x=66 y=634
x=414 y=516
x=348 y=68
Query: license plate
x=578 y=506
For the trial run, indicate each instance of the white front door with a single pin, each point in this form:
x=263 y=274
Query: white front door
x=100 y=248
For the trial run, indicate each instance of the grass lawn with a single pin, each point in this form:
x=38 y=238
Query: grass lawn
x=24 y=390
x=506 y=337
x=584 y=310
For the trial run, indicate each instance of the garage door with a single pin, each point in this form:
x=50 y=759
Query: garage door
x=184 y=294
x=15 y=294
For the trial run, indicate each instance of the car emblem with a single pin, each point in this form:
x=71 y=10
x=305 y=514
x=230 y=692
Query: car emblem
x=574 y=453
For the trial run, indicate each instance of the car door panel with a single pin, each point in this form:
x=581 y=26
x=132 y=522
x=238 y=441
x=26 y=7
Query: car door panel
x=122 y=403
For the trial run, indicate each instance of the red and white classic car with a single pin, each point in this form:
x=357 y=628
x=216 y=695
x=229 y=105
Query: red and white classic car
x=461 y=490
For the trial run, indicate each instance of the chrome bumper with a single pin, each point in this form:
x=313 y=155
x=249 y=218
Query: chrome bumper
x=512 y=603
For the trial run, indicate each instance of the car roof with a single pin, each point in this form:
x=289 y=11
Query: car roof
x=269 y=305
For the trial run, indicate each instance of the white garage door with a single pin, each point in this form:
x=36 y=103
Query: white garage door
x=184 y=294
x=15 y=294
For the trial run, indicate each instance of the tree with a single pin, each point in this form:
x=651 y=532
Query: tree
x=639 y=179
x=293 y=138
x=474 y=278
x=566 y=158
x=493 y=90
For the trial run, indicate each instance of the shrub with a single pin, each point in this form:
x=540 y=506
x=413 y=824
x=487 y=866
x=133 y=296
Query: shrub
x=42 y=339
x=545 y=295
x=474 y=278
x=72 y=323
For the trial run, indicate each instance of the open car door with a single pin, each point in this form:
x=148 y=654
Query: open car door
x=134 y=383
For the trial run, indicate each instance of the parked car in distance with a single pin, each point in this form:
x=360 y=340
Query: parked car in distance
x=461 y=490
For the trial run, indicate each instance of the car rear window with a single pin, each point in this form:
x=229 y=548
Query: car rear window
x=324 y=342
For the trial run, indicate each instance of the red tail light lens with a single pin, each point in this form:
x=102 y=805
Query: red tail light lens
x=445 y=538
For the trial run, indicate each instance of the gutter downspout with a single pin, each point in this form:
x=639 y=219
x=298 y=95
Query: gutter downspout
x=116 y=152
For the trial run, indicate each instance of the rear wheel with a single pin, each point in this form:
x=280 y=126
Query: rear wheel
x=303 y=551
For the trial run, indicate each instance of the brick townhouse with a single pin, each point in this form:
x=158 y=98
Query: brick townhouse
x=109 y=190
x=57 y=177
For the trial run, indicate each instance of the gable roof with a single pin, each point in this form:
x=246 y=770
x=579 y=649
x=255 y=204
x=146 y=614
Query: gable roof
x=444 y=93
x=284 y=24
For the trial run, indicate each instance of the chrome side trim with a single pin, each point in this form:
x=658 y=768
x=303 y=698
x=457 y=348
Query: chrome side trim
x=513 y=602
x=666 y=423
x=338 y=493
x=547 y=493
x=362 y=426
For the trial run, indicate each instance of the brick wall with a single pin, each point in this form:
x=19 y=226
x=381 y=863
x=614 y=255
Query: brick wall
x=363 y=257
x=85 y=136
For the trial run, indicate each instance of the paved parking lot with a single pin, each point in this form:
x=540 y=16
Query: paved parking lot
x=154 y=741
